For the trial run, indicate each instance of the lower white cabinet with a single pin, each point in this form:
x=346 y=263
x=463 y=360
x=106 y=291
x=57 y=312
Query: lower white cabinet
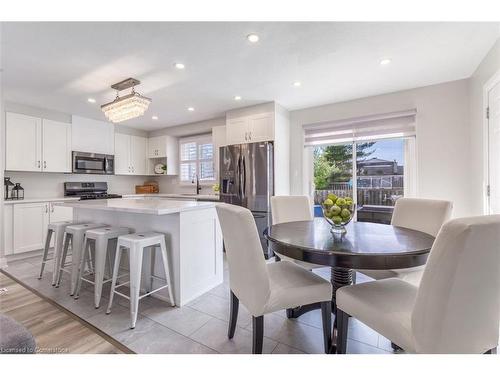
x=30 y=226
x=25 y=224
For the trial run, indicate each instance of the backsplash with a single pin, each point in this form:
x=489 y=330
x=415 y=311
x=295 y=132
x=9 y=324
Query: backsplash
x=48 y=185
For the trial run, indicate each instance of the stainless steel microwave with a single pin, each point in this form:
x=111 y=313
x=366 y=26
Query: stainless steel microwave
x=85 y=162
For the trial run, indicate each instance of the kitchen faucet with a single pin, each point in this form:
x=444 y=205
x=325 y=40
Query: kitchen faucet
x=198 y=187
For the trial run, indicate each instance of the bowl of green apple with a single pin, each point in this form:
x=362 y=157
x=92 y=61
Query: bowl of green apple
x=338 y=212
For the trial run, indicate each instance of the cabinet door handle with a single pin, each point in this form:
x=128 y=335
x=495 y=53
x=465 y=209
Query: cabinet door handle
x=46 y=208
x=246 y=136
x=44 y=164
x=38 y=163
x=51 y=208
x=250 y=135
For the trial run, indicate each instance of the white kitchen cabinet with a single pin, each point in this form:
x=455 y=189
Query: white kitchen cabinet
x=37 y=145
x=59 y=213
x=23 y=143
x=93 y=136
x=56 y=146
x=248 y=129
x=237 y=131
x=30 y=226
x=130 y=154
x=25 y=225
x=138 y=149
x=8 y=228
x=161 y=148
x=122 y=154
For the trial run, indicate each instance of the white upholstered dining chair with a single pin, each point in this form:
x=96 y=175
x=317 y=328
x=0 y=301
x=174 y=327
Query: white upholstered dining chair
x=455 y=309
x=289 y=208
x=265 y=288
x=424 y=215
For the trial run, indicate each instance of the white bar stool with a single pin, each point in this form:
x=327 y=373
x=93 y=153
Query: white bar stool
x=136 y=243
x=57 y=229
x=74 y=235
x=100 y=240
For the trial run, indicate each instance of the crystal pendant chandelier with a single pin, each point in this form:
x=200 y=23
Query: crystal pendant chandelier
x=128 y=106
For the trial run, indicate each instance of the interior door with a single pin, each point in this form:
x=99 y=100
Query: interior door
x=23 y=143
x=122 y=154
x=138 y=150
x=56 y=146
x=494 y=149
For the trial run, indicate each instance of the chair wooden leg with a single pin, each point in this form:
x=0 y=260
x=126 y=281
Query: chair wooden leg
x=258 y=334
x=326 y=316
x=342 y=324
x=234 y=304
x=491 y=351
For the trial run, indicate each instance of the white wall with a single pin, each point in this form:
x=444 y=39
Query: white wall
x=443 y=138
x=486 y=69
x=170 y=184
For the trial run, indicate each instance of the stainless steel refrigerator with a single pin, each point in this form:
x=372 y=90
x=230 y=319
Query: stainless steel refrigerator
x=247 y=179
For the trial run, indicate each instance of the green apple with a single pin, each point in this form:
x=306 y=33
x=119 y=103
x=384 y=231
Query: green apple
x=335 y=209
x=328 y=202
x=328 y=214
x=332 y=196
x=346 y=214
x=340 y=202
x=337 y=219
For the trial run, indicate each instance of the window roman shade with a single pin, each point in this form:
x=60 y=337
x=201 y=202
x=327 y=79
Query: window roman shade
x=382 y=126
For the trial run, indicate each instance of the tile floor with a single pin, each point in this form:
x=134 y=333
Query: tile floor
x=198 y=327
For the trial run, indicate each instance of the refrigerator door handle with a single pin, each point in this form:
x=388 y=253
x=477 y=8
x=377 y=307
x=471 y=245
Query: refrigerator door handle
x=244 y=186
x=239 y=177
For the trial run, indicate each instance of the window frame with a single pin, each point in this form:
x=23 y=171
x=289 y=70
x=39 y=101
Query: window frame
x=198 y=139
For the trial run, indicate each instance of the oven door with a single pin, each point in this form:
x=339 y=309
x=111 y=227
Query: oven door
x=88 y=163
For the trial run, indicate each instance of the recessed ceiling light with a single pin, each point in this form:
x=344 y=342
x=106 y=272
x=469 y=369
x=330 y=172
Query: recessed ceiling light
x=154 y=117
x=385 y=61
x=297 y=84
x=190 y=109
x=253 y=38
x=91 y=100
x=179 y=66
x=237 y=97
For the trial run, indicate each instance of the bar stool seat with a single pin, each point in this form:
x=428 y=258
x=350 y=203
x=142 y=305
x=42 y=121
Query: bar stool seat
x=136 y=244
x=100 y=239
x=57 y=230
x=74 y=235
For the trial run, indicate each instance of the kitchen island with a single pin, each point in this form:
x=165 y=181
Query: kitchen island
x=193 y=237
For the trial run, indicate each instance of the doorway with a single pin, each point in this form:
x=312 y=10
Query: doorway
x=493 y=116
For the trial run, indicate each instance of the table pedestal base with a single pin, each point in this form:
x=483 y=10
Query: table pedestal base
x=339 y=277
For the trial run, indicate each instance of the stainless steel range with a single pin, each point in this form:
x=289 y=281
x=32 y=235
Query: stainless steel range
x=88 y=190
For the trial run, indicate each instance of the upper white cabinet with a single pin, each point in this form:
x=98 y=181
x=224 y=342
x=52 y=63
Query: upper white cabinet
x=93 y=136
x=23 y=142
x=36 y=145
x=252 y=128
x=130 y=154
x=56 y=146
x=164 y=147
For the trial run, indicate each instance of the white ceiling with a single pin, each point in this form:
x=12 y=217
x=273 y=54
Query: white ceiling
x=59 y=65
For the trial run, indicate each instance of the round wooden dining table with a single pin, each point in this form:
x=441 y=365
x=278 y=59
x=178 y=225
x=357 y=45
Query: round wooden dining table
x=365 y=246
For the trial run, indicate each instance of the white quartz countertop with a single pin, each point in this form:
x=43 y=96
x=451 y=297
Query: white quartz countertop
x=38 y=200
x=140 y=205
x=205 y=197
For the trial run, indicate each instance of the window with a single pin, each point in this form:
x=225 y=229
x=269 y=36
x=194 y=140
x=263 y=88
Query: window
x=376 y=182
x=197 y=159
x=369 y=158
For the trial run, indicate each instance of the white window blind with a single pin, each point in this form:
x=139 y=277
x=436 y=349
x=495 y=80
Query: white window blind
x=196 y=158
x=382 y=126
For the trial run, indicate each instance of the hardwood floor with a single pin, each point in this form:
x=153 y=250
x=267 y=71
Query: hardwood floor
x=55 y=330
